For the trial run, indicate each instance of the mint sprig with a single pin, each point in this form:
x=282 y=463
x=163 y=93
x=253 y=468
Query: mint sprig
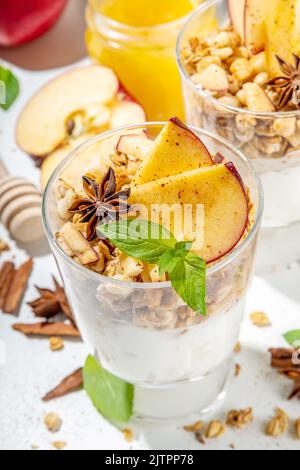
x=154 y=244
x=293 y=338
x=11 y=88
x=113 y=397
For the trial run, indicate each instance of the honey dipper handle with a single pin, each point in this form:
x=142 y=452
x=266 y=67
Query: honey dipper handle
x=3 y=170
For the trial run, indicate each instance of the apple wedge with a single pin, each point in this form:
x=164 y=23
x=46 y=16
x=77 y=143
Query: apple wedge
x=42 y=125
x=236 y=9
x=78 y=245
x=256 y=15
x=219 y=189
x=134 y=144
x=176 y=150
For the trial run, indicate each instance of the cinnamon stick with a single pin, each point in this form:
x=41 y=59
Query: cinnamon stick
x=47 y=329
x=17 y=287
x=6 y=274
x=70 y=384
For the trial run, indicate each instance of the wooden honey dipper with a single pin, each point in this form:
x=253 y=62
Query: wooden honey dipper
x=20 y=207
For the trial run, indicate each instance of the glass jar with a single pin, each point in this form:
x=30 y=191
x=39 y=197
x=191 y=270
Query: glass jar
x=143 y=57
x=275 y=158
x=141 y=332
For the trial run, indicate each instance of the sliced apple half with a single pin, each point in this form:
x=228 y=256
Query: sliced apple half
x=42 y=125
x=219 y=189
x=125 y=113
x=176 y=150
x=236 y=9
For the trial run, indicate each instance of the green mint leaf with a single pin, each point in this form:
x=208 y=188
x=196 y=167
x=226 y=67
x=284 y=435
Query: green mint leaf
x=188 y=279
x=293 y=338
x=168 y=261
x=112 y=397
x=11 y=88
x=140 y=239
x=184 y=246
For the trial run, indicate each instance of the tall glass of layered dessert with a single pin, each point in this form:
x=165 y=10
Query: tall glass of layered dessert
x=161 y=312
x=241 y=81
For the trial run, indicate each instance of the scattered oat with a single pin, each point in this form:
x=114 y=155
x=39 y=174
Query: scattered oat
x=214 y=429
x=56 y=343
x=59 y=445
x=232 y=446
x=238 y=370
x=3 y=246
x=34 y=446
x=53 y=422
x=238 y=348
x=278 y=425
x=297 y=428
x=128 y=435
x=239 y=419
x=260 y=319
x=197 y=426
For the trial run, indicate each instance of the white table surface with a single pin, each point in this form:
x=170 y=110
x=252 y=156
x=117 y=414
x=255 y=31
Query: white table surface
x=29 y=369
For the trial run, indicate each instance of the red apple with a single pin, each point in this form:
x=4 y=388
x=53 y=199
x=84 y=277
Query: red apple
x=24 y=20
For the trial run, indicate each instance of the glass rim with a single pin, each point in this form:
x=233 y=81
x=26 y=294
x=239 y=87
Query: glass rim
x=186 y=77
x=141 y=29
x=215 y=267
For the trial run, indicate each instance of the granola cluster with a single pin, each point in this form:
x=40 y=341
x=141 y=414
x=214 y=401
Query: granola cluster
x=224 y=69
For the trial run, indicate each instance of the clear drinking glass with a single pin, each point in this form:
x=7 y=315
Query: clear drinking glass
x=142 y=332
x=275 y=158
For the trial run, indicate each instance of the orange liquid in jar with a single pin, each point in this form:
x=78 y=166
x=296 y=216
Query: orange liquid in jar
x=139 y=45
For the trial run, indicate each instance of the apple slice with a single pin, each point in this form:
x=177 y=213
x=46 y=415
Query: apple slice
x=176 y=150
x=134 y=144
x=42 y=124
x=213 y=78
x=236 y=9
x=257 y=99
x=126 y=113
x=219 y=189
x=256 y=15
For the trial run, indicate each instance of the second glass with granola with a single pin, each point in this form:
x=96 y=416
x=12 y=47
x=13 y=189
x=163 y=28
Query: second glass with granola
x=154 y=229
x=242 y=80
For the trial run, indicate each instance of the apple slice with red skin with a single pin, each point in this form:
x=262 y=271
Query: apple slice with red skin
x=219 y=189
x=176 y=150
x=236 y=9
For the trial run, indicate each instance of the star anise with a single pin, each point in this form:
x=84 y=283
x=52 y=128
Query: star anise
x=287 y=363
x=288 y=84
x=51 y=303
x=103 y=205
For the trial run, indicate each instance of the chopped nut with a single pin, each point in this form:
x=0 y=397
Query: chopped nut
x=3 y=246
x=215 y=429
x=242 y=69
x=128 y=435
x=238 y=348
x=278 y=425
x=260 y=319
x=297 y=428
x=239 y=419
x=224 y=53
x=237 y=370
x=34 y=446
x=285 y=127
x=53 y=422
x=59 y=445
x=197 y=426
x=261 y=78
x=56 y=343
x=199 y=437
